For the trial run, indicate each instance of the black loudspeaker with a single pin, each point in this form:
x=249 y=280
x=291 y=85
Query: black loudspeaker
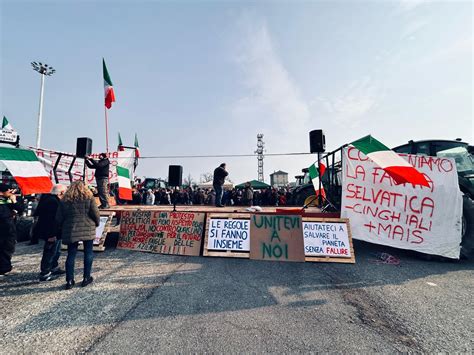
x=317 y=141
x=175 y=175
x=83 y=147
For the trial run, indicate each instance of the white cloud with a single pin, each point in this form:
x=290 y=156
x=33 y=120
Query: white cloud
x=410 y=5
x=349 y=108
x=271 y=95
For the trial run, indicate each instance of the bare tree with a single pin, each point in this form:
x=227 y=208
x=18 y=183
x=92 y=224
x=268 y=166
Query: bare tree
x=189 y=181
x=206 y=177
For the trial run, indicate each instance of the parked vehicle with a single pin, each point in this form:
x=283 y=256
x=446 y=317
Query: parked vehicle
x=462 y=153
x=152 y=183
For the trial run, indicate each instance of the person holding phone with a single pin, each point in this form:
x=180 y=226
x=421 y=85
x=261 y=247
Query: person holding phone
x=9 y=207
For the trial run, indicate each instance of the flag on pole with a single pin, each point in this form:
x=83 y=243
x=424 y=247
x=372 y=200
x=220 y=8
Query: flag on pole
x=6 y=124
x=108 y=87
x=124 y=183
x=27 y=170
x=137 y=150
x=120 y=144
x=395 y=166
x=315 y=175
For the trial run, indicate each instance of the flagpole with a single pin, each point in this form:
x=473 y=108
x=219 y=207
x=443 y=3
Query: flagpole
x=106 y=131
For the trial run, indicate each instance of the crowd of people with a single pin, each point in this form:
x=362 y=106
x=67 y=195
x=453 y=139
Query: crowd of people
x=199 y=196
x=67 y=215
x=70 y=215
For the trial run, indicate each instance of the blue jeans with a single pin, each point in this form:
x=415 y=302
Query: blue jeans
x=71 y=258
x=218 y=189
x=51 y=253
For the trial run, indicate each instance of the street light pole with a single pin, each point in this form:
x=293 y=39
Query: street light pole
x=40 y=113
x=44 y=70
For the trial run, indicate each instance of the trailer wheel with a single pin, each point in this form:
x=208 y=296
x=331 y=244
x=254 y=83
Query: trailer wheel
x=304 y=196
x=467 y=243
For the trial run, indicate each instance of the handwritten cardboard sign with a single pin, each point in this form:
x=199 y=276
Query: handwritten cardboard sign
x=177 y=233
x=276 y=237
x=326 y=239
x=228 y=234
x=425 y=219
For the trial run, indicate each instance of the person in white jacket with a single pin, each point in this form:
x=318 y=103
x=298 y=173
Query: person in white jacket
x=150 y=197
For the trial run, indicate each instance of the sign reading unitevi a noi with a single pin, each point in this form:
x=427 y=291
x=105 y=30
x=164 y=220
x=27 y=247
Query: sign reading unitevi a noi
x=276 y=237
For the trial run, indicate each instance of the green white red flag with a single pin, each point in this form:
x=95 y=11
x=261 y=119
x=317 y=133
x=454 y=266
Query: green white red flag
x=137 y=150
x=6 y=124
x=120 y=144
x=124 y=183
x=108 y=87
x=27 y=170
x=316 y=174
x=395 y=166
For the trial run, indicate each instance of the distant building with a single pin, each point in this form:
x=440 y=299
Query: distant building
x=279 y=178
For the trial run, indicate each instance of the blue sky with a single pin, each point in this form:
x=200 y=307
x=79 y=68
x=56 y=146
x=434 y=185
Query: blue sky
x=197 y=77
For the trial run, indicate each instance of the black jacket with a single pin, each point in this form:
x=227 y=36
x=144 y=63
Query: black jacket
x=46 y=226
x=219 y=176
x=101 y=167
x=7 y=211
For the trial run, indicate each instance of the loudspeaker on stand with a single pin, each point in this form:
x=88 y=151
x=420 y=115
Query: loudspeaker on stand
x=175 y=175
x=83 y=147
x=317 y=141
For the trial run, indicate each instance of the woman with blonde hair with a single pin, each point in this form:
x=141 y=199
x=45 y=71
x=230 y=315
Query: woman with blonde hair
x=78 y=217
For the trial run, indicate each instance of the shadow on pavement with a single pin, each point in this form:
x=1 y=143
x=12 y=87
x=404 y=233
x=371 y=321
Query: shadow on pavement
x=179 y=286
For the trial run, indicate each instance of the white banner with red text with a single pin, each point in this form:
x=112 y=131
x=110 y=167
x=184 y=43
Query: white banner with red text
x=48 y=158
x=426 y=220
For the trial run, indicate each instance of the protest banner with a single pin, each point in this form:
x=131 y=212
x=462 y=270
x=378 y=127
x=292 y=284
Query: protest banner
x=424 y=219
x=328 y=240
x=8 y=136
x=48 y=158
x=276 y=237
x=178 y=233
x=227 y=235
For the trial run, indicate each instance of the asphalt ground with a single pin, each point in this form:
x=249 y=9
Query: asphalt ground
x=143 y=303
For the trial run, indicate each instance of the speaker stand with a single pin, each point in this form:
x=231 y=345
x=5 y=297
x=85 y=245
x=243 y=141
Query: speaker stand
x=174 y=200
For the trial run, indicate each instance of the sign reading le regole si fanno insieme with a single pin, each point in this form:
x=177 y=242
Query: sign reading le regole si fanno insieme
x=162 y=232
x=228 y=234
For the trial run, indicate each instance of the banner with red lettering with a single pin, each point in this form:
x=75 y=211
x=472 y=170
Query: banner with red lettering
x=426 y=220
x=48 y=158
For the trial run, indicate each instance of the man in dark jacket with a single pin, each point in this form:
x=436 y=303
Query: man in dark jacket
x=218 y=182
x=46 y=228
x=101 y=167
x=8 y=207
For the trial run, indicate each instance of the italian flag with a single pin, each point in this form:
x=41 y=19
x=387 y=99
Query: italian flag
x=6 y=124
x=120 y=144
x=398 y=168
x=124 y=183
x=137 y=150
x=108 y=87
x=28 y=172
x=315 y=175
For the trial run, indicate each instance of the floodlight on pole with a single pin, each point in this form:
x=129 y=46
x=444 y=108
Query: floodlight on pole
x=43 y=69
